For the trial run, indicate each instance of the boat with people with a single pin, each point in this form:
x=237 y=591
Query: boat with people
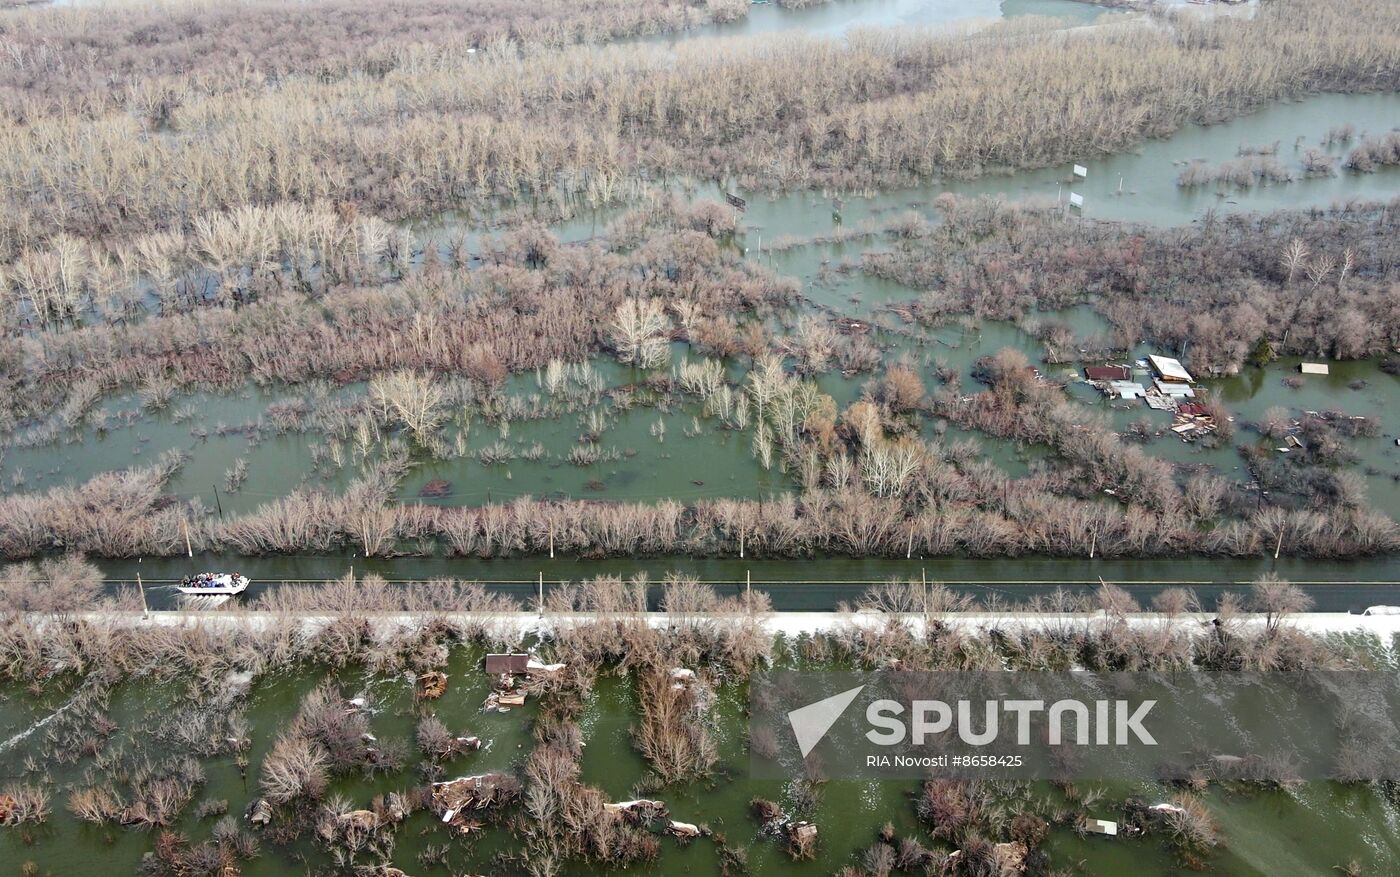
x=208 y=584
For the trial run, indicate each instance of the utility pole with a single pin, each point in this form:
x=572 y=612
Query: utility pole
x=185 y=525
x=541 y=592
x=217 y=503
x=145 y=609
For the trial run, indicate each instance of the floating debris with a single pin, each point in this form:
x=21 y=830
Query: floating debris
x=259 y=812
x=454 y=799
x=639 y=811
x=432 y=685
x=802 y=839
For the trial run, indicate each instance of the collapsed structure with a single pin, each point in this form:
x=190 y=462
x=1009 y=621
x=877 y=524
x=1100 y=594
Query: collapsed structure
x=1170 y=388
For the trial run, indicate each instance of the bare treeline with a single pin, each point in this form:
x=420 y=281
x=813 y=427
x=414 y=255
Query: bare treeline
x=533 y=301
x=943 y=508
x=1316 y=282
x=593 y=125
x=151 y=57
x=1375 y=152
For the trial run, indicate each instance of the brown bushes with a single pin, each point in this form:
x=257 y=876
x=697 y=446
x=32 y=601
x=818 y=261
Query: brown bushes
x=153 y=61
x=672 y=734
x=25 y=803
x=944 y=508
x=510 y=316
x=64 y=585
x=876 y=107
x=1375 y=152
x=1307 y=282
x=114 y=514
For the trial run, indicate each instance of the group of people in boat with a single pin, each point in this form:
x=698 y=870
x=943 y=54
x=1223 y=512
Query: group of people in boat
x=208 y=580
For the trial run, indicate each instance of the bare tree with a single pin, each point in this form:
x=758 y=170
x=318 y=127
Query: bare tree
x=639 y=332
x=413 y=399
x=1277 y=599
x=1295 y=255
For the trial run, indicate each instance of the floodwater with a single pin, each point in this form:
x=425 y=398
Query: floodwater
x=1302 y=832
x=834 y=19
x=816 y=584
x=1311 y=830
x=647 y=453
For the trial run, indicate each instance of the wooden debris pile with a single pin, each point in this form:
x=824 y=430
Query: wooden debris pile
x=802 y=839
x=432 y=685
x=457 y=802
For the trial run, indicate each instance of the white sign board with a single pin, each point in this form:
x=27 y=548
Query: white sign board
x=1081 y=171
x=1076 y=200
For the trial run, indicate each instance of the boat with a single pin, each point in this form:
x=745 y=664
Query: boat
x=210 y=584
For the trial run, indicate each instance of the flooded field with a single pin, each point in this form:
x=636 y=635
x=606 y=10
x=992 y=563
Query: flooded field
x=1354 y=820
x=657 y=410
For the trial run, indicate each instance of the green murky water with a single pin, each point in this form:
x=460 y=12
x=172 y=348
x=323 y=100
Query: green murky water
x=1310 y=831
x=1306 y=831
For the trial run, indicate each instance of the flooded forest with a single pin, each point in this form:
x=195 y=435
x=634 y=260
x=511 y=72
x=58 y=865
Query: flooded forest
x=668 y=342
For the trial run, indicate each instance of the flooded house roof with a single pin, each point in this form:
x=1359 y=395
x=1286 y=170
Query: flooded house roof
x=1169 y=369
x=1127 y=389
x=507 y=663
x=1107 y=373
x=1102 y=826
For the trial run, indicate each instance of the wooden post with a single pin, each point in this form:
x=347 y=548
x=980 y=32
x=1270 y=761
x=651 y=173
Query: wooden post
x=541 y=593
x=145 y=609
x=741 y=544
x=185 y=525
x=551 y=541
x=923 y=590
x=217 y=503
x=748 y=588
x=1093 y=543
x=1279 y=546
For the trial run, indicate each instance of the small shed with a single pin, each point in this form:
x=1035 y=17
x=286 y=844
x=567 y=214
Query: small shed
x=1101 y=826
x=1313 y=368
x=498 y=664
x=1174 y=389
x=1169 y=369
x=1127 y=389
x=1107 y=373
